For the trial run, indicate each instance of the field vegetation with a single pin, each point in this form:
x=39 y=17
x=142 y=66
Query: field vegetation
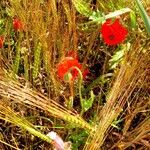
x=74 y=74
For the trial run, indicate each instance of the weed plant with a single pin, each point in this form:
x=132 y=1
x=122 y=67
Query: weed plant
x=74 y=74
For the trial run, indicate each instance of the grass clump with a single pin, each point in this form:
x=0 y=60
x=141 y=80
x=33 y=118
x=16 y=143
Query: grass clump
x=101 y=100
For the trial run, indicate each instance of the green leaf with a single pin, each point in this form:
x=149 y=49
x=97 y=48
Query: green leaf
x=97 y=16
x=118 y=55
x=133 y=19
x=2 y=21
x=115 y=124
x=117 y=13
x=87 y=103
x=82 y=7
x=144 y=16
x=101 y=80
x=78 y=139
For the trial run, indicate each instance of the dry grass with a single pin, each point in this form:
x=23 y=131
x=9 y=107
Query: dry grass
x=132 y=72
x=30 y=88
x=22 y=94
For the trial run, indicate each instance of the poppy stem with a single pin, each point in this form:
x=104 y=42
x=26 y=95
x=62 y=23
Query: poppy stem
x=80 y=87
x=70 y=104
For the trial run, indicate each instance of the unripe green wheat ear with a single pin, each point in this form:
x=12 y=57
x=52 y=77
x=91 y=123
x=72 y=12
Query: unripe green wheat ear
x=7 y=114
x=16 y=92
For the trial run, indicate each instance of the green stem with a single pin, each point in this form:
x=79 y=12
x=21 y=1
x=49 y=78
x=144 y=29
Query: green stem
x=71 y=98
x=80 y=86
x=37 y=60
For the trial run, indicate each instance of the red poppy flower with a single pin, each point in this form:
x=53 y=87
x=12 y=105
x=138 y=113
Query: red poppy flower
x=64 y=67
x=1 y=41
x=85 y=73
x=72 y=54
x=17 y=24
x=113 y=33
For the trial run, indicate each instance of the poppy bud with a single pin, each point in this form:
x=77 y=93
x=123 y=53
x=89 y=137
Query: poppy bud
x=1 y=41
x=17 y=24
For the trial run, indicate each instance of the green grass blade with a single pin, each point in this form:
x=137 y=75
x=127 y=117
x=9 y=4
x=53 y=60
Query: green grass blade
x=37 y=61
x=144 y=16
